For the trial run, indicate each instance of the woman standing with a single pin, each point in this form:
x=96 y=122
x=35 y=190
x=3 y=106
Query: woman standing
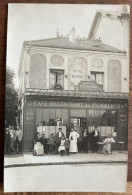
x=73 y=141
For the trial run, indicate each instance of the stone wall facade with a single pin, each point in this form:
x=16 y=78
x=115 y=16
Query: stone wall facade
x=76 y=66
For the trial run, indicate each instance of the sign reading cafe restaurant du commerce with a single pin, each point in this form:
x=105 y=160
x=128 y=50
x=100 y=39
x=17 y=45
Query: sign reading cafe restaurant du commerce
x=62 y=104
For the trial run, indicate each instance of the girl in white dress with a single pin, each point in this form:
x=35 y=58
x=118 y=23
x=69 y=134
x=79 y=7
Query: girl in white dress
x=73 y=141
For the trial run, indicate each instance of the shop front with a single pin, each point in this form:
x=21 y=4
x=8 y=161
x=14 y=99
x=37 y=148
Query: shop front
x=45 y=111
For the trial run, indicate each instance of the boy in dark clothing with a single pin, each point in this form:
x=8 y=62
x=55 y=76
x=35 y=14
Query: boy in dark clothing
x=67 y=145
x=52 y=144
x=44 y=143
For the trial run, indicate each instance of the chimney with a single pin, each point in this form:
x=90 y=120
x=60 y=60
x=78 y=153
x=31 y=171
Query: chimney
x=123 y=8
x=72 y=35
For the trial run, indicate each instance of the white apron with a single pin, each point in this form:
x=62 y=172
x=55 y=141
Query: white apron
x=62 y=146
x=38 y=147
x=73 y=141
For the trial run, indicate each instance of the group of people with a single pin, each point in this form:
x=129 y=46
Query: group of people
x=53 y=145
x=13 y=140
x=77 y=141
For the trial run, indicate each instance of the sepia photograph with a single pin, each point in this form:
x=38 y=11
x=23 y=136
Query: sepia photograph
x=67 y=89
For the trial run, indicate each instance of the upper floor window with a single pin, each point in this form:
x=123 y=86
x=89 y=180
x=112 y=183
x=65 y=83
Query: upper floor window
x=98 y=77
x=56 y=79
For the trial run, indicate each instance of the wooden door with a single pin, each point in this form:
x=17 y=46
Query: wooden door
x=29 y=128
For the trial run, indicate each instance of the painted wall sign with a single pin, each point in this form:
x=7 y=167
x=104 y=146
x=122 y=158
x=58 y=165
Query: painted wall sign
x=123 y=117
x=77 y=67
x=53 y=104
x=77 y=75
x=29 y=116
x=78 y=113
x=89 y=86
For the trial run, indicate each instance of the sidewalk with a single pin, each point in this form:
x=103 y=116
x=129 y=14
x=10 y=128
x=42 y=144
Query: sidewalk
x=27 y=159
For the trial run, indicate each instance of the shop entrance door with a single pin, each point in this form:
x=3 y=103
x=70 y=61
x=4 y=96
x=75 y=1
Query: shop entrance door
x=79 y=122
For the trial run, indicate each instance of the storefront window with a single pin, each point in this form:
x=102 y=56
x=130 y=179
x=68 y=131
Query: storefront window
x=58 y=113
x=104 y=119
x=91 y=117
x=45 y=116
x=65 y=116
x=39 y=117
x=49 y=120
x=114 y=118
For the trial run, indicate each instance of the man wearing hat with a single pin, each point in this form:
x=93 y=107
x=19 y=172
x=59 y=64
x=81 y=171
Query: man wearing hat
x=19 y=135
x=58 y=137
x=7 y=141
x=95 y=139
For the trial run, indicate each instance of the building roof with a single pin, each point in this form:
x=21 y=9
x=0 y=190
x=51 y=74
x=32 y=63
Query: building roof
x=76 y=94
x=110 y=14
x=79 y=44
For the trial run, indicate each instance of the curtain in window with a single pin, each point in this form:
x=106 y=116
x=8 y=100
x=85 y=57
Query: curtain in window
x=56 y=78
x=60 y=80
x=99 y=78
x=52 y=79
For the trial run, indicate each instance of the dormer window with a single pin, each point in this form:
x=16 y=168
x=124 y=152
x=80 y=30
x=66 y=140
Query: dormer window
x=56 y=79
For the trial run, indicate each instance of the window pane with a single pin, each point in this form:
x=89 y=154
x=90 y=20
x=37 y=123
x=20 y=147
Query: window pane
x=91 y=117
x=38 y=117
x=99 y=79
x=91 y=120
x=45 y=116
x=60 y=80
x=52 y=113
x=56 y=78
x=58 y=113
x=114 y=118
x=52 y=79
x=65 y=116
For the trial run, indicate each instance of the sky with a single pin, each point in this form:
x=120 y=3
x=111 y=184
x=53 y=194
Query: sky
x=40 y=21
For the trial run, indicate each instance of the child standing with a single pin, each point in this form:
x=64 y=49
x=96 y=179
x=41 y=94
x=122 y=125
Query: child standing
x=61 y=148
x=67 y=145
x=52 y=144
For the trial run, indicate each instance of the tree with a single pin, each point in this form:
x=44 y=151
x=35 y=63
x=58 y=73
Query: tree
x=11 y=99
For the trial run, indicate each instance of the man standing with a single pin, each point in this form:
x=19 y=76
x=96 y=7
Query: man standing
x=95 y=139
x=85 y=140
x=58 y=137
x=7 y=141
x=19 y=139
x=79 y=140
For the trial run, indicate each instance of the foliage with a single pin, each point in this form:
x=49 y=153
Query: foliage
x=11 y=99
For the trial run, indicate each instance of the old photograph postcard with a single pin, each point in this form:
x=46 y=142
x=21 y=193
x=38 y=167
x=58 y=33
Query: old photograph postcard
x=67 y=89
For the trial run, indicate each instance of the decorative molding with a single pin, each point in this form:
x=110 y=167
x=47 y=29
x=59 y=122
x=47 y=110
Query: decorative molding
x=57 y=60
x=97 y=63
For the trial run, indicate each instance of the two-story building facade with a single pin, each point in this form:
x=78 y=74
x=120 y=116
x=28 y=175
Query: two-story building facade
x=79 y=81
